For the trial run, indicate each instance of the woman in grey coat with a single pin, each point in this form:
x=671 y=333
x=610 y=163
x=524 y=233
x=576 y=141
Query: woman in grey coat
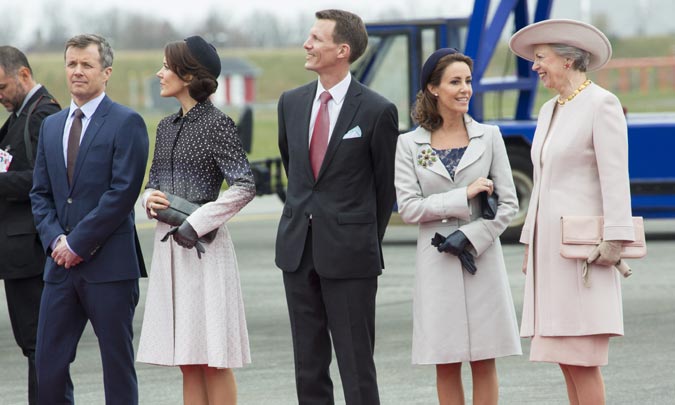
x=441 y=168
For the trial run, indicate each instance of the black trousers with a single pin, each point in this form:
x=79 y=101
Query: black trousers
x=23 y=304
x=343 y=310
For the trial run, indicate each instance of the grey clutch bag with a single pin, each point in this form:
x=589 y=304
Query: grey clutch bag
x=179 y=209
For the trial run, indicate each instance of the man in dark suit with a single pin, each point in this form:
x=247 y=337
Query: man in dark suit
x=89 y=168
x=337 y=140
x=21 y=256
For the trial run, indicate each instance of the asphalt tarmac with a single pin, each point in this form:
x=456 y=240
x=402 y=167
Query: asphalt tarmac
x=641 y=366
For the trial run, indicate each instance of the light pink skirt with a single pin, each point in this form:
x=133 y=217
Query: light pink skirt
x=587 y=351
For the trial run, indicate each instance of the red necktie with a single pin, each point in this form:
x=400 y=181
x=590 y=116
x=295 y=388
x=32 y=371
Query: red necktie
x=74 y=142
x=319 y=142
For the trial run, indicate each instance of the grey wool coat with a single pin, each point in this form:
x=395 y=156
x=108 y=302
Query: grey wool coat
x=458 y=316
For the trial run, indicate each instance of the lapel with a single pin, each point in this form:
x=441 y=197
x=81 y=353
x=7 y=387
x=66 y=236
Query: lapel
x=541 y=133
x=476 y=146
x=422 y=139
x=308 y=97
x=473 y=151
x=97 y=121
x=349 y=107
x=55 y=143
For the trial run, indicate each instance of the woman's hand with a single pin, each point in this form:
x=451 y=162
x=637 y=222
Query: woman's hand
x=527 y=253
x=156 y=201
x=607 y=253
x=481 y=184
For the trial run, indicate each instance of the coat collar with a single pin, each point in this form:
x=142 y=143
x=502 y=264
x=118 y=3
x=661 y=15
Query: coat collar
x=474 y=150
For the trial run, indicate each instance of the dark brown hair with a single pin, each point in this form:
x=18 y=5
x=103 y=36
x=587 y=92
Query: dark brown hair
x=349 y=29
x=12 y=59
x=425 y=112
x=180 y=61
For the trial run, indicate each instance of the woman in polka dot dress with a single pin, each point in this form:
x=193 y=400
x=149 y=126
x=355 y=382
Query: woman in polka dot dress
x=194 y=311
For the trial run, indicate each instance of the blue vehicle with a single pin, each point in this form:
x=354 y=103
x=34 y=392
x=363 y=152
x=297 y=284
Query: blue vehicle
x=392 y=65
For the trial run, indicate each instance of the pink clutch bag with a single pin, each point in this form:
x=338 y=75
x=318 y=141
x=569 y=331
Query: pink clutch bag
x=580 y=235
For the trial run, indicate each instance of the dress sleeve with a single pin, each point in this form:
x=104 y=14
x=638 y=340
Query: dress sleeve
x=231 y=158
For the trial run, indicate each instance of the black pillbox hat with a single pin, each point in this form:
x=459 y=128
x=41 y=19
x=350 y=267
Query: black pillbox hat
x=205 y=54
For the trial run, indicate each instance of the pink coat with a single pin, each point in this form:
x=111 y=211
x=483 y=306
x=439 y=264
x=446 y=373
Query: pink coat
x=584 y=172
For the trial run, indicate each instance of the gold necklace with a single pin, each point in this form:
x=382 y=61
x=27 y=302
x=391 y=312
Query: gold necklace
x=562 y=101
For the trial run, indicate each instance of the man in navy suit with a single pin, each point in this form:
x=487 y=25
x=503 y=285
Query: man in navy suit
x=88 y=172
x=337 y=140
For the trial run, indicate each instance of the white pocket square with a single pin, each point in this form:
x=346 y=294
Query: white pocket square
x=353 y=133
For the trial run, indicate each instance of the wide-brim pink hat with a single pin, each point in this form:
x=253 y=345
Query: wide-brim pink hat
x=560 y=31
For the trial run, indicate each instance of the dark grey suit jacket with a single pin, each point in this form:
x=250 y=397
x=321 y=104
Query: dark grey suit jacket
x=351 y=201
x=20 y=247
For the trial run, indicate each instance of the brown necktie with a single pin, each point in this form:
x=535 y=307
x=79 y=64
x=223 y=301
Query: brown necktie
x=319 y=142
x=74 y=142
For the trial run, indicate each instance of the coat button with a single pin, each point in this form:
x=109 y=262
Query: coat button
x=69 y=201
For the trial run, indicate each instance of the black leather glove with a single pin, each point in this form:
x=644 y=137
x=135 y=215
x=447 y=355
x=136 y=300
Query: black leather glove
x=437 y=240
x=467 y=261
x=185 y=236
x=454 y=243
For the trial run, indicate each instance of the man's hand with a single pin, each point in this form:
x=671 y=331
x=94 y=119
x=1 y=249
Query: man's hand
x=62 y=256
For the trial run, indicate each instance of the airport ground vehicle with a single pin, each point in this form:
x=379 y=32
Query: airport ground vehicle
x=394 y=60
x=392 y=65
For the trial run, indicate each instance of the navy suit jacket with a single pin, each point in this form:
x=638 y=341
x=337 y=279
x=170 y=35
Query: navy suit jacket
x=96 y=211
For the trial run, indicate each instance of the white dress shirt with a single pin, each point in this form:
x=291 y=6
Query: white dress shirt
x=338 y=93
x=88 y=109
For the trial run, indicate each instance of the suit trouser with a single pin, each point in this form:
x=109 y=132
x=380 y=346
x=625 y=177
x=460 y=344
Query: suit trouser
x=65 y=309
x=23 y=304
x=341 y=309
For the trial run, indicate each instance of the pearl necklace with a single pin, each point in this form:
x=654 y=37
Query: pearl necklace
x=562 y=101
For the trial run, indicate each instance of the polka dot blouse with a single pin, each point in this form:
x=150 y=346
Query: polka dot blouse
x=196 y=152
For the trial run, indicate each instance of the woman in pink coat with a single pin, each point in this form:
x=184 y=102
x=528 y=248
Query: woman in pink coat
x=580 y=160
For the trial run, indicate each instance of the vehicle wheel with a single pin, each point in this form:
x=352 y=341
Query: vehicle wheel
x=521 y=168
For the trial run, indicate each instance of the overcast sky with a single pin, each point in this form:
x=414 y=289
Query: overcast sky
x=626 y=17
x=31 y=12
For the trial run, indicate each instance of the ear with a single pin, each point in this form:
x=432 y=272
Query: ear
x=432 y=89
x=23 y=73
x=344 y=51
x=107 y=72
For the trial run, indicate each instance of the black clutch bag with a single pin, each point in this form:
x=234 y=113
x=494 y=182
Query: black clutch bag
x=488 y=204
x=179 y=209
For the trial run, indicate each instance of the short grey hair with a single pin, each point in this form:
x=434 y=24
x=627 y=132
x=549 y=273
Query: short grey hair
x=580 y=58
x=84 y=40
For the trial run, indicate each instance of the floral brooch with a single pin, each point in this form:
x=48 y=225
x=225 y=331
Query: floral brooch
x=426 y=157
